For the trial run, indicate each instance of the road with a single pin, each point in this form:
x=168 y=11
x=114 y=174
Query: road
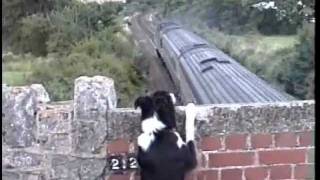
x=158 y=77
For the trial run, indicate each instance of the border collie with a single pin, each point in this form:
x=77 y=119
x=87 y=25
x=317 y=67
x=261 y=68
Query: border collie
x=162 y=154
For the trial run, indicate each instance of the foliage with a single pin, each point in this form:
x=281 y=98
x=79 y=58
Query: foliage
x=299 y=79
x=32 y=35
x=59 y=82
x=72 y=39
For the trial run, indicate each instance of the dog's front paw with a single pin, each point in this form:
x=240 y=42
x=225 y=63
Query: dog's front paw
x=190 y=121
x=191 y=111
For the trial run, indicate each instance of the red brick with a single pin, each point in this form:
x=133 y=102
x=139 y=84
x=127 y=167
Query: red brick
x=280 y=172
x=236 y=141
x=261 y=140
x=231 y=159
x=287 y=139
x=304 y=171
x=256 y=173
x=306 y=139
x=118 y=146
x=282 y=156
x=119 y=177
x=208 y=175
x=210 y=143
x=231 y=174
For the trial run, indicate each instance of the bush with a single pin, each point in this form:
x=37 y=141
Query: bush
x=59 y=43
x=32 y=35
x=59 y=82
x=299 y=76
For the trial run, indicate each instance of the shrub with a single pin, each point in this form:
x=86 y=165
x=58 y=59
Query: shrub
x=32 y=35
x=59 y=82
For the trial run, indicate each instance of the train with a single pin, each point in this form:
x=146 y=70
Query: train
x=203 y=74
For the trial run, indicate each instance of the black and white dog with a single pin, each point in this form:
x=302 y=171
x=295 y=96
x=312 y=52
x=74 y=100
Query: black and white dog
x=162 y=154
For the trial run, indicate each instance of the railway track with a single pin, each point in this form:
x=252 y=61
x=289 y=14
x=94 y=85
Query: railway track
x=158 y=77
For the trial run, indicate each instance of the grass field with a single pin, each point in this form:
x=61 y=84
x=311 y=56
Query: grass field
x=14 y=78
x=16 y=69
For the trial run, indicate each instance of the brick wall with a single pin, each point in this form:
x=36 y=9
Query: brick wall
x=72 y=140
x=287 y=155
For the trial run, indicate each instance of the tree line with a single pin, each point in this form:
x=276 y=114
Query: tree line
x=71 y=39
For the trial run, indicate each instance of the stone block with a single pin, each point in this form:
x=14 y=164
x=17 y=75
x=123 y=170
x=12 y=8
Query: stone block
x=9 y=175
x=66 y=167
x=89 y=137
x=93 y=96
x=20 y=159
x=33 y=176
x=54 y=121
x=56 y=142
x=18 y=116
x=123 y=124
x=41 y=93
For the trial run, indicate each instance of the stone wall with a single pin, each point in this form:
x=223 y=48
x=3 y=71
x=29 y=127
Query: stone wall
x=72 y=140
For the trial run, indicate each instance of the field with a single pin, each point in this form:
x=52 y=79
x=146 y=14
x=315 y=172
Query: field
x=17 y=69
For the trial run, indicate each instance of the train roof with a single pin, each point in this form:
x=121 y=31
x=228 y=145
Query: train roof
x=215 y=76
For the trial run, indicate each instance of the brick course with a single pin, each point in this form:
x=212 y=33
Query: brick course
x=261 y=141
x=292 y=156
x=210 y=143
x=236 y=141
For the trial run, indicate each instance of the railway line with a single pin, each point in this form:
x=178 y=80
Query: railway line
x=200 y=72
x=157 y=77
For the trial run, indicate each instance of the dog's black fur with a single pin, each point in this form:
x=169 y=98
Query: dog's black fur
x=164 y=160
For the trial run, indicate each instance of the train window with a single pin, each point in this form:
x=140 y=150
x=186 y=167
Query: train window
x=206 y=69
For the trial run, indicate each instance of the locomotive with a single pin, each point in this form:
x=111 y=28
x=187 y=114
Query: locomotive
x=204 y=74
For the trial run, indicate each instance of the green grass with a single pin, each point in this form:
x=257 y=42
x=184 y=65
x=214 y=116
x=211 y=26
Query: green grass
x=14 y=78
x=16 y=70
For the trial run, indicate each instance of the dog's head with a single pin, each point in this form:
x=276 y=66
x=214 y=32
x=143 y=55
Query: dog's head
x=145 y=103
x=160 y=103
x=164 y=106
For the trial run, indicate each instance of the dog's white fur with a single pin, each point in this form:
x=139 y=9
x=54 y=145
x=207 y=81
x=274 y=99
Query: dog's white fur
x=149 y=127
x=190 y=121
x=173 y=97
x=180 y=142
x=145 y=140
x=152 y=125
